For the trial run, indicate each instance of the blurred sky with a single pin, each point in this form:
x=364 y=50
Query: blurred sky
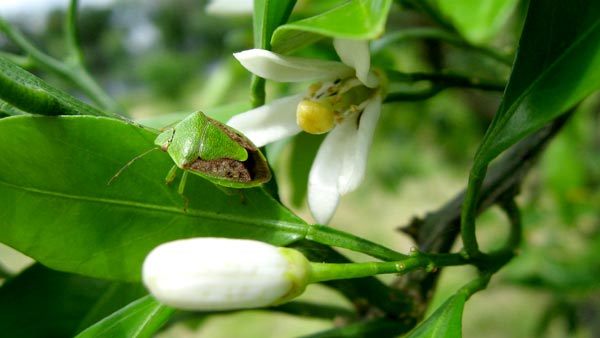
x=16 y=7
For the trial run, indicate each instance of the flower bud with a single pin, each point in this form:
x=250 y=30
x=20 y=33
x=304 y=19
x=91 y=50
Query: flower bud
x=224 y=274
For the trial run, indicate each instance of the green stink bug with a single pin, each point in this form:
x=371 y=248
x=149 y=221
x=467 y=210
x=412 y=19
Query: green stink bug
x=212 y=150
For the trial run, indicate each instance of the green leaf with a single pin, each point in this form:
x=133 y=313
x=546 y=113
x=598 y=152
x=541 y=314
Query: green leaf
x=445 y=322
x=558 y=65
x=116 y=296
x=58 y=209
x=141 y=318
x=358 y=19
x=41 y=302
x=268 y=15
x=478 y=21
x=31 y=94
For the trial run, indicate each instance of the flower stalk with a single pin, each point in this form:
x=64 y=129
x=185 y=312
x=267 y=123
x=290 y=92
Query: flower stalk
x=209 y=274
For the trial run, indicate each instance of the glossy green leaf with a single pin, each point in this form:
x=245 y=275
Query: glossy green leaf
x=478 y=21
x=116 y=296
x=445 y=322
x=139 y=319
x=41 y=302
x=31 y=94
x=58 y=209
x=558 y=65
x=268 y=15
x=358 y=19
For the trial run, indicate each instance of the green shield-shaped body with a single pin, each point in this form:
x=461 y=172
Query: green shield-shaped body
x=215 y=151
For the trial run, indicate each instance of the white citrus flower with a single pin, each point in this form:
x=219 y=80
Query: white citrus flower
x=230 y=7
x=345 y=102
x=224 y=274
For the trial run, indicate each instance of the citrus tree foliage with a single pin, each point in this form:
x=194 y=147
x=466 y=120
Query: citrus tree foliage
x=73 y=200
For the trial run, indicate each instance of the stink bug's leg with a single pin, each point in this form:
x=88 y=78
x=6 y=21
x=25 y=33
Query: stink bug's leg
x=232 y=191
x=128 y=164
x=171 y=175
x=181 y=189
x=228 y=191
x=182 y=183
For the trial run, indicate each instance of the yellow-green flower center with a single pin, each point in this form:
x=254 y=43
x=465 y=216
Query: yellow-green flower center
x=331 y=103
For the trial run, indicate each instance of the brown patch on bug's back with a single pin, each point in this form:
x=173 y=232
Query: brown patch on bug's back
x=222 y=167
x=254 y=169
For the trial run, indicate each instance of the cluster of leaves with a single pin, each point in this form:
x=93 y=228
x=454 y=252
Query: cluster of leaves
x=89 y=239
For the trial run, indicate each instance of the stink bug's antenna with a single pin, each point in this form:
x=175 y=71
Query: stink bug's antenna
x=128 y=164
x=137 y=124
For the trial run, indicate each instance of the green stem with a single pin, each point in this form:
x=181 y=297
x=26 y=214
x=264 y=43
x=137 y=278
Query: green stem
x=321 y=272
x=495 y=260
x=476 y=285
x=71 y=32
x=469 y=211
x=258 y=94
x=72 y=71
x=35 y=54
x=92 y=89
x=330 y=236
x=413 y=96
x=439 y=82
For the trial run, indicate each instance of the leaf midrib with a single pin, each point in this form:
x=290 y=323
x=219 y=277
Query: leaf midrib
x=173 y=210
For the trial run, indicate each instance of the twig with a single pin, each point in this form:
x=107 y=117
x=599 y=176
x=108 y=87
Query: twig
x=438 y=230
x=72 y=69
x=438 y=82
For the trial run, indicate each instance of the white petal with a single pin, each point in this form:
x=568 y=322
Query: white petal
x=323 y=191
x=269 y=123
x=230 y=7
x=355 y=158
x=281 y=68
x=356 y=54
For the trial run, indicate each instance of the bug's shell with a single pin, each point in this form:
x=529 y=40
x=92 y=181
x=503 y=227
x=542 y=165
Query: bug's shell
x=215 y=151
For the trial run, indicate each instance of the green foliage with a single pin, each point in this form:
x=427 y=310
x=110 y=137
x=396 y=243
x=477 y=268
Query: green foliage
x=29 y=93
x=544 y=84
x=478 y=21
x=137 y=205
x=139 y=319
x=351 y=20
x=55 y=302
x=445 y=322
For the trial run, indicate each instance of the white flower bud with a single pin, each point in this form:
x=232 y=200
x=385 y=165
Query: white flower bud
x=224 y=274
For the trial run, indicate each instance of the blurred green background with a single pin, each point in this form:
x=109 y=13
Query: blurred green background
x=170 y=56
